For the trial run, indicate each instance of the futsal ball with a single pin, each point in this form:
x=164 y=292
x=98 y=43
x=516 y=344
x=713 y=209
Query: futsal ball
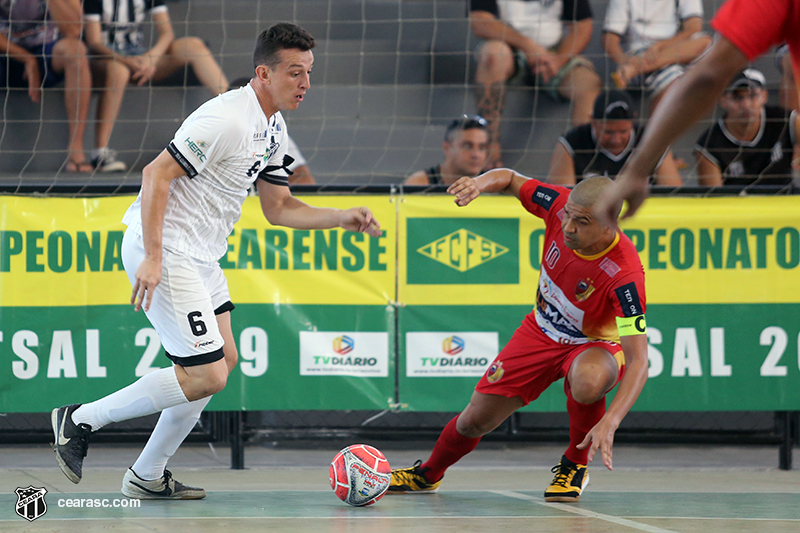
x=360 y=475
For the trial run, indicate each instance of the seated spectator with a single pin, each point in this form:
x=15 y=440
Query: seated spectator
x=753 y=143
x=42 y=41
x=465 y=147
x=115 y=39
x=787 y=93
x=535 y=43
x=602 y=147
x=301 y=174
x=660 y=37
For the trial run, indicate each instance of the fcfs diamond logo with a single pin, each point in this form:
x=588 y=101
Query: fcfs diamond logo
x=462 y=250
x=30 y=502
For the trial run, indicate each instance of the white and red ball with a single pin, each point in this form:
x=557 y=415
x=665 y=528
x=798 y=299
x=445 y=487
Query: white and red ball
x=360 y=475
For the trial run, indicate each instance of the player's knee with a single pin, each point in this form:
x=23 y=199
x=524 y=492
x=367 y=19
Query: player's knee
x=216 y=382
x=588 y=392
x=214 y=378
x=231 y=357
x=470 y=427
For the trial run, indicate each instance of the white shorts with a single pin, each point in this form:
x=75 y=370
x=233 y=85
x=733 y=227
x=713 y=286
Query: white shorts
x=185 y=303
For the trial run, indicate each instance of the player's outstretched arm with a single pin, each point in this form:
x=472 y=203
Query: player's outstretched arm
x=502 y=180
x=685 y=102
x=282 y=209
x=601 y=436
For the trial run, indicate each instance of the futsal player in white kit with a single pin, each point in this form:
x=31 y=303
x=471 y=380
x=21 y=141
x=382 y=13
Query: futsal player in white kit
x=178 y=226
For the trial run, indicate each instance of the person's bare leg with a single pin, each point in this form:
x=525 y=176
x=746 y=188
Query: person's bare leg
x=69 y=58
x=112 y=78
x=192 y=51
x=581 y=86
x=495 y=67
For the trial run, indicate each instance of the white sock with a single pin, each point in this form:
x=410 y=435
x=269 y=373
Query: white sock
x=173 y=426
x=149 y=394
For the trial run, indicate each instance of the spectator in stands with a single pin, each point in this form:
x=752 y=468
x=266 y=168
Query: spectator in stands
x=537 y=43
x=746 y=29
x=301 y=174
x=42 y=41
x=660 y=38
x=115 y=37
x=788 y=89
x=753 y=143
x=465 y=147
x=602 y=147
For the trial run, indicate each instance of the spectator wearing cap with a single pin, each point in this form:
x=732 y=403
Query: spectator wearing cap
x=753 y=143
x=465 y=147
x=660 y=37
x=602 y=147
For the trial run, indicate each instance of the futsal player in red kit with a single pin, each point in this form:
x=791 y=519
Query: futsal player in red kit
x=746 y=29
x=587 y=327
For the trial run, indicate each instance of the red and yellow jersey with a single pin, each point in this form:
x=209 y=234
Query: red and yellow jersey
x=580 y=297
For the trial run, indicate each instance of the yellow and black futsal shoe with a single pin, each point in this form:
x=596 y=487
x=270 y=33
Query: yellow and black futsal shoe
x=412 y=480
x=569 y=482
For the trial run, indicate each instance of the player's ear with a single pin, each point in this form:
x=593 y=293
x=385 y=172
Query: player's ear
x=262 y=73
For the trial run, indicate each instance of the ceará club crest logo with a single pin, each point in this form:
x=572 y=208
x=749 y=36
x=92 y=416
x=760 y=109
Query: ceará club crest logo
x=30 y=502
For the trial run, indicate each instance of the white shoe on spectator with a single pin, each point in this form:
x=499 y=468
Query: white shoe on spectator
x=105 y=160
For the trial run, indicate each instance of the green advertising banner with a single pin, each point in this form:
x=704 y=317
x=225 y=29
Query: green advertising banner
x=411 y=320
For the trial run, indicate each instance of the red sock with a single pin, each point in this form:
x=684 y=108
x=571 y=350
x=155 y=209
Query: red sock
x=582 y=418
x=450 y=447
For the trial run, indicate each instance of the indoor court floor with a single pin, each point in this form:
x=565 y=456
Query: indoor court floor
x=494 y=489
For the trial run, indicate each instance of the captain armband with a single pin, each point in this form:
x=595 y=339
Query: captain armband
x=631 y=325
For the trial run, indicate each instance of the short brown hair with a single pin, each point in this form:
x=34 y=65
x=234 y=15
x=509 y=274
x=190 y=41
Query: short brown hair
x=281 y=36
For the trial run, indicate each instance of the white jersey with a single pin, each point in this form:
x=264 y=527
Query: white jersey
x=224 y=146
x=643 y=22
x=294 y=151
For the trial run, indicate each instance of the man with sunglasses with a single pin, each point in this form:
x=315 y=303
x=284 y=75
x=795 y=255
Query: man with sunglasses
x=465 y=147
x=753 y=143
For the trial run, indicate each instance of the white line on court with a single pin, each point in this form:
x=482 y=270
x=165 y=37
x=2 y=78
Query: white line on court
x=577 y=510
x=267 y=517
x=398 y=517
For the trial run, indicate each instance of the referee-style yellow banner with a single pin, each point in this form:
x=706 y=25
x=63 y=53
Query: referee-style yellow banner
x=66 y=252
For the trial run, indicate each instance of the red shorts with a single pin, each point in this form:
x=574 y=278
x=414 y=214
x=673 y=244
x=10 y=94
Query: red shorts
x=532 y=361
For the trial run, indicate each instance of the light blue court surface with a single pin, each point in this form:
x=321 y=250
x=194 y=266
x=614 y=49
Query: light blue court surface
x=653 y=489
